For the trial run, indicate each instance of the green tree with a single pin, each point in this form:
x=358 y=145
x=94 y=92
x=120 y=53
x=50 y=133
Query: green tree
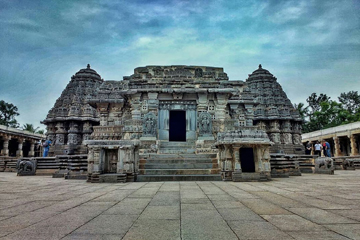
x=41 y=131
x=30 y=128
x=8 y=112
x=303 y=111
x=350 y=101
x=314 y=102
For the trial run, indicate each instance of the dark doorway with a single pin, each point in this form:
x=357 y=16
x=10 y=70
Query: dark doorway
x=13 y=147
x=247 y=159
x=177 y=130
x=26 y=148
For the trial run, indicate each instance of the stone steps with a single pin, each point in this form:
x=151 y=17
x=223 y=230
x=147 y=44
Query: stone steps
x=176 y=147
x=192 y=177
x=178 y=171
x=178 y=156
x=178 y=167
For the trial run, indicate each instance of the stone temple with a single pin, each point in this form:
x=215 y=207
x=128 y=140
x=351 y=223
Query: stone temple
x=174 y=123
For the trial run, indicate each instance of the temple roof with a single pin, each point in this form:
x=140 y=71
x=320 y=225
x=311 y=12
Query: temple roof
x=273 y=101
x=260 y=74
x=87 y=73
x=72 y=104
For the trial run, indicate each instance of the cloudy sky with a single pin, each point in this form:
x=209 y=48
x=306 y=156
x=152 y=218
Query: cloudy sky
x=310 y=46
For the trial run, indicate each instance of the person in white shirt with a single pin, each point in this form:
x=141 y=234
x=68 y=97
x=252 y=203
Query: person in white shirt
x=318 y=148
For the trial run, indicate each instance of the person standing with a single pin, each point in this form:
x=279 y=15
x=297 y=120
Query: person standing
x=318 y=148
x=46 y=146
x=308 y=148
x=327 y=149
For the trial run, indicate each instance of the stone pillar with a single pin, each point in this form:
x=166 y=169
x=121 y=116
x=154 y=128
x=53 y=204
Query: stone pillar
x=19 y=152
x=135 y=106
x=220 y=108
x=32 y=148
x=202 y=102
x=337 y=151
x=354 y=150
x=153 y=102
x=86 y=130
x=60 y=134
x=5 y=149
x=237 y=159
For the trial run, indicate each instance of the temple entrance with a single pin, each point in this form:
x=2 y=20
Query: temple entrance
x=247 y=159
x=111 y=159
x=177 y=126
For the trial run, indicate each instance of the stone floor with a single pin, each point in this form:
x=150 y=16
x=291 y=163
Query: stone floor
x=306 y=207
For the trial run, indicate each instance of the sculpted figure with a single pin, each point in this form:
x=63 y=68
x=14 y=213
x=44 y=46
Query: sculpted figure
x=205 y=123
x=324 y=162
x=149 y=124
x=26 y=167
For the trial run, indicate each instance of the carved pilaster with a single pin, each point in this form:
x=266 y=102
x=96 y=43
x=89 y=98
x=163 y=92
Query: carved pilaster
x=153 y=102
x=60 y=133
x=354 y=150
x=5 y=149
x=337 y=151
x=237 y=159
x=202 y=102
x=32 y=149
x=19 y=152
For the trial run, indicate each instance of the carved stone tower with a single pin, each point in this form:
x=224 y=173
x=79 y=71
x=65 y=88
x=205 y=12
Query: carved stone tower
x=71 y=119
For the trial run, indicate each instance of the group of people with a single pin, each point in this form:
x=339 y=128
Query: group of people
x=318 y=147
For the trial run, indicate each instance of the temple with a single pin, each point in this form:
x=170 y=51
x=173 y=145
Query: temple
x=175 y=123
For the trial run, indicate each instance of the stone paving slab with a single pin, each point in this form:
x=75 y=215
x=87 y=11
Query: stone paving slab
x=307 y=207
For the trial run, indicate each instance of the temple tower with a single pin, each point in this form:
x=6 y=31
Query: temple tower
x=71 y=119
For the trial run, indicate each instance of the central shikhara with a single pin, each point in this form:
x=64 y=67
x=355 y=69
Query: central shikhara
x=175 y=123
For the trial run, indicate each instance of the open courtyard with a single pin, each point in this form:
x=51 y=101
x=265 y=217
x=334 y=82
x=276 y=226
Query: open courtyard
x=306 y=207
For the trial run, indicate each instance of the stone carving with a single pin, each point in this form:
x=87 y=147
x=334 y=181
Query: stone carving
x=275 y=137
x=59 y=139
x=178 y=72
x=158 y=72
x=205 y=124
x=72 y=106
x=26 y=167
x=296 y=138
x=198 y=73
x=348 y=164
x=325 y=163
x=286 y=138
x=149 y=125
x=92 y=112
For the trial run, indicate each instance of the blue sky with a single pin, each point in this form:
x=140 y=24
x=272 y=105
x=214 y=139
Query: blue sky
x=310 y=46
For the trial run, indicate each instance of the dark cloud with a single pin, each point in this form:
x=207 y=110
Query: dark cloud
x=43 y=43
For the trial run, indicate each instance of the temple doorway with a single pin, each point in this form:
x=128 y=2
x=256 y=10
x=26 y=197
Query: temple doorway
x=111 y=159
x=177 y=126
x=247 y=160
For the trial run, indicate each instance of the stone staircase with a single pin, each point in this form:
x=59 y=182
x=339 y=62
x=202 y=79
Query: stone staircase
x=178 y=162
x=177 y=147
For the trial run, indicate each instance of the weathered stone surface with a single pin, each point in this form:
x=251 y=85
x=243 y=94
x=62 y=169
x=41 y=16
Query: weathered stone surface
x=293 y=208
x=174 y=110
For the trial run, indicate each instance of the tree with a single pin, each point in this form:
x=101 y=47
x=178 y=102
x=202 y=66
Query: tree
x=303 y=111
x=29 y=127
x=41 y=131
x=350 y=101
x=8 y=112
x=314 y=102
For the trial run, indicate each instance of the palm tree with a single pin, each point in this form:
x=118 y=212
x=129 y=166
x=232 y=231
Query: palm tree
x=29 y=127
x=41 y=131
x=303 y=111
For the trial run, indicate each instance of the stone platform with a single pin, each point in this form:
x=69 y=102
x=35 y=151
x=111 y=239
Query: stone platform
x=178 y=167
x=307 y=207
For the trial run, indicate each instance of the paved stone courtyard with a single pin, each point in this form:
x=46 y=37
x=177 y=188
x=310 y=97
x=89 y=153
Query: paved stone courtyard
x=306 y=207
